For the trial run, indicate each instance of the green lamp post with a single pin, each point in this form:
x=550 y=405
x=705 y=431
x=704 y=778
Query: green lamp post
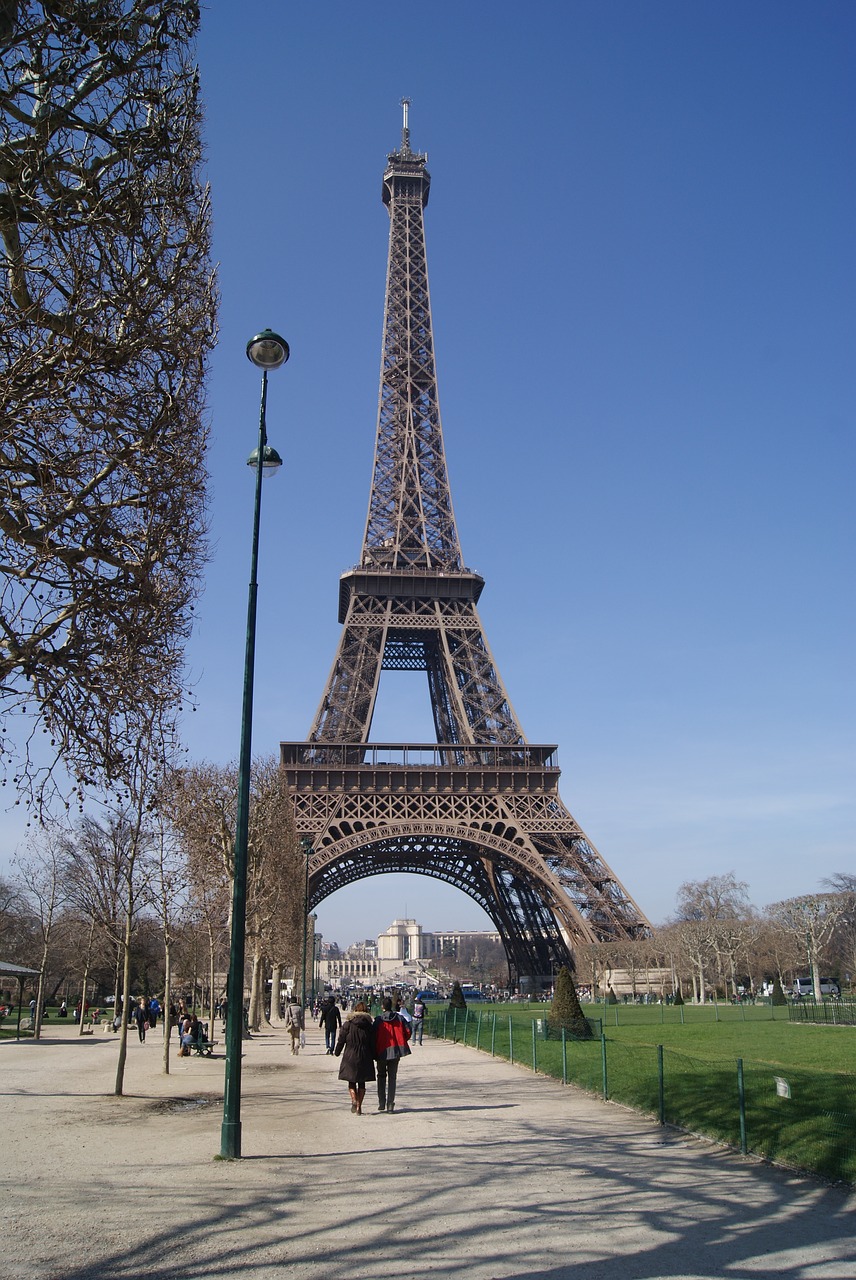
x=268 y=351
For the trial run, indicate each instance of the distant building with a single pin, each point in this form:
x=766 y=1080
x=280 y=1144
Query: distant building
x=402 y=952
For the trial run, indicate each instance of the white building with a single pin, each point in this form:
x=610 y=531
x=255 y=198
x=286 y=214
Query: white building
x=403 y=952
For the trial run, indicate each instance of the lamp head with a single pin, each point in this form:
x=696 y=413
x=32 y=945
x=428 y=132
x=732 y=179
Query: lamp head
x=267 y=350
x=271 y=461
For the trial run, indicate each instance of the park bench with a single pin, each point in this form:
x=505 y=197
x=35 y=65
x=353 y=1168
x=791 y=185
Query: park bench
x=202 y=1046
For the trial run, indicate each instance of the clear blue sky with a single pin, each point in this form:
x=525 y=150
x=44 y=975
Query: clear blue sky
x=641 y=254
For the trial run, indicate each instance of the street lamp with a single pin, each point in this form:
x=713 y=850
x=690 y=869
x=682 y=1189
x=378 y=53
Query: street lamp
x=267 y=351
x=306 y=842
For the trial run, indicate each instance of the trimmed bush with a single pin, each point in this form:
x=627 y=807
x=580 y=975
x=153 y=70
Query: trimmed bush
x=565 y=1010
x=778 y=996
x=456 y=999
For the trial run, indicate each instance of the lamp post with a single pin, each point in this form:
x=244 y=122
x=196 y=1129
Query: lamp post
x=267 y=351
x=306 y=842
x=313 y=920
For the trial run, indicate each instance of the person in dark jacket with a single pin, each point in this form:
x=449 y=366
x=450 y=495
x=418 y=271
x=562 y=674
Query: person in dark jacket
x=330 y=1020
x=141 y=1016
x=391 y=1034
x=356 y=1044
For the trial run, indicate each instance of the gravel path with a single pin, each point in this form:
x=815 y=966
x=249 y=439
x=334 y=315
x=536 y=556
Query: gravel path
x=484 y=1171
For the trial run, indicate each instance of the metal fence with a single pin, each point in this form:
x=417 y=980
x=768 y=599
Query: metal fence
x=835 y=1013
x=792 y=1116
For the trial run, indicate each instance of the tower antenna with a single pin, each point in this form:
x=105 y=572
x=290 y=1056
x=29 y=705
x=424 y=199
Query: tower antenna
x=405 y=128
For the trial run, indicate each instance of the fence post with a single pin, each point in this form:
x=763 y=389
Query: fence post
x=454 y=1026
x=534 y=1050
x=681 y=1008
x=603 y=1066
x=510 y=1040
x=478 y=1029
x=493 y=1037
x=715 y=1009
x=564 y=1058
x=741 y=1094
x=445 y=1016
x=466 y=1019
x=661 y=1083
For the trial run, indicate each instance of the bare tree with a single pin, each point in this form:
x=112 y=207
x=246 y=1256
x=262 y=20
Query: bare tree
x=717 y=898
x=106 y=320
x=96 y=855
x=42 y=886
x=167 y=890
x=203 y=806
x=811 y=921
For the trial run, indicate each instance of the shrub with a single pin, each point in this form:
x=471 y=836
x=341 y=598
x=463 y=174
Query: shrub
x=456 y=999
x=565 y=1009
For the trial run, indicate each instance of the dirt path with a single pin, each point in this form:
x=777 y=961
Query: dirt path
x=484 y=1171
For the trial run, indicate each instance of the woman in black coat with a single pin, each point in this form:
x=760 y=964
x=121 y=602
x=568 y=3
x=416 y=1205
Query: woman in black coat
x=356 y=1045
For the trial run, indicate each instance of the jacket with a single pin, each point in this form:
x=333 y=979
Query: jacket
x=330 y=1016
x=294 y=1016
x=356 y=1045
x=391 y=1035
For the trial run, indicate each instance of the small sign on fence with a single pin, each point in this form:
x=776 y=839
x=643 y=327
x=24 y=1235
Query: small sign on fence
x=783 y=1089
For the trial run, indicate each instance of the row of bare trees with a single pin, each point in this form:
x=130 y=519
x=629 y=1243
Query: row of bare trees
x=137 y=901
x=107 y=318
x=717 y=942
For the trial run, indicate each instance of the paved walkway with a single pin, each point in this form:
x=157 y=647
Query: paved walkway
x=484 y=1171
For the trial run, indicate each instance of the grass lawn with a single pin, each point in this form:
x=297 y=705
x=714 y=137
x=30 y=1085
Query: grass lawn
x=799 y=1080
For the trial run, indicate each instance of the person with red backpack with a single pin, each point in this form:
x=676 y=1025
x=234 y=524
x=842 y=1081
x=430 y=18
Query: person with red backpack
x=391 y=1035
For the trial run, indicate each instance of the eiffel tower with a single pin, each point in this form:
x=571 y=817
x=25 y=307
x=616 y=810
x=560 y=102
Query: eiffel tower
x=480 y=808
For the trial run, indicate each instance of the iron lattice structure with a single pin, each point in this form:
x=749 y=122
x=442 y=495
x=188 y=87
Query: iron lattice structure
x=480 y=809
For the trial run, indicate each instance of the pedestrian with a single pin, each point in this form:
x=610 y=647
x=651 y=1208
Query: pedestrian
x=141 y=1019
x=418 y=1020
x=295 y=1022
x=391 y=1036
x=331 y=1021
x=356 y=1045
x=154 y=1011
x=402 y=1011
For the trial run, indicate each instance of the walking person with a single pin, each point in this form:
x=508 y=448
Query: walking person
x=391 y=1036
x=357 y=1047
x=331 y=1021
x=417 y=1022
x=295 y=1021
x=140 y=1016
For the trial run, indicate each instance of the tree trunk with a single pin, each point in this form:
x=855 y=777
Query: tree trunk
x=257 y=991
x=126 y=985
x=86 y=965
x=212 y=1000
x=167 y=1002
x=276 y=1018
x=40 y=995
x=702 y=994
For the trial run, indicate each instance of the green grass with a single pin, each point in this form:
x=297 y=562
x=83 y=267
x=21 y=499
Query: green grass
x=814 y=1128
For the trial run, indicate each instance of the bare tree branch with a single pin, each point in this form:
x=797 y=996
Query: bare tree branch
x=107 y=316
